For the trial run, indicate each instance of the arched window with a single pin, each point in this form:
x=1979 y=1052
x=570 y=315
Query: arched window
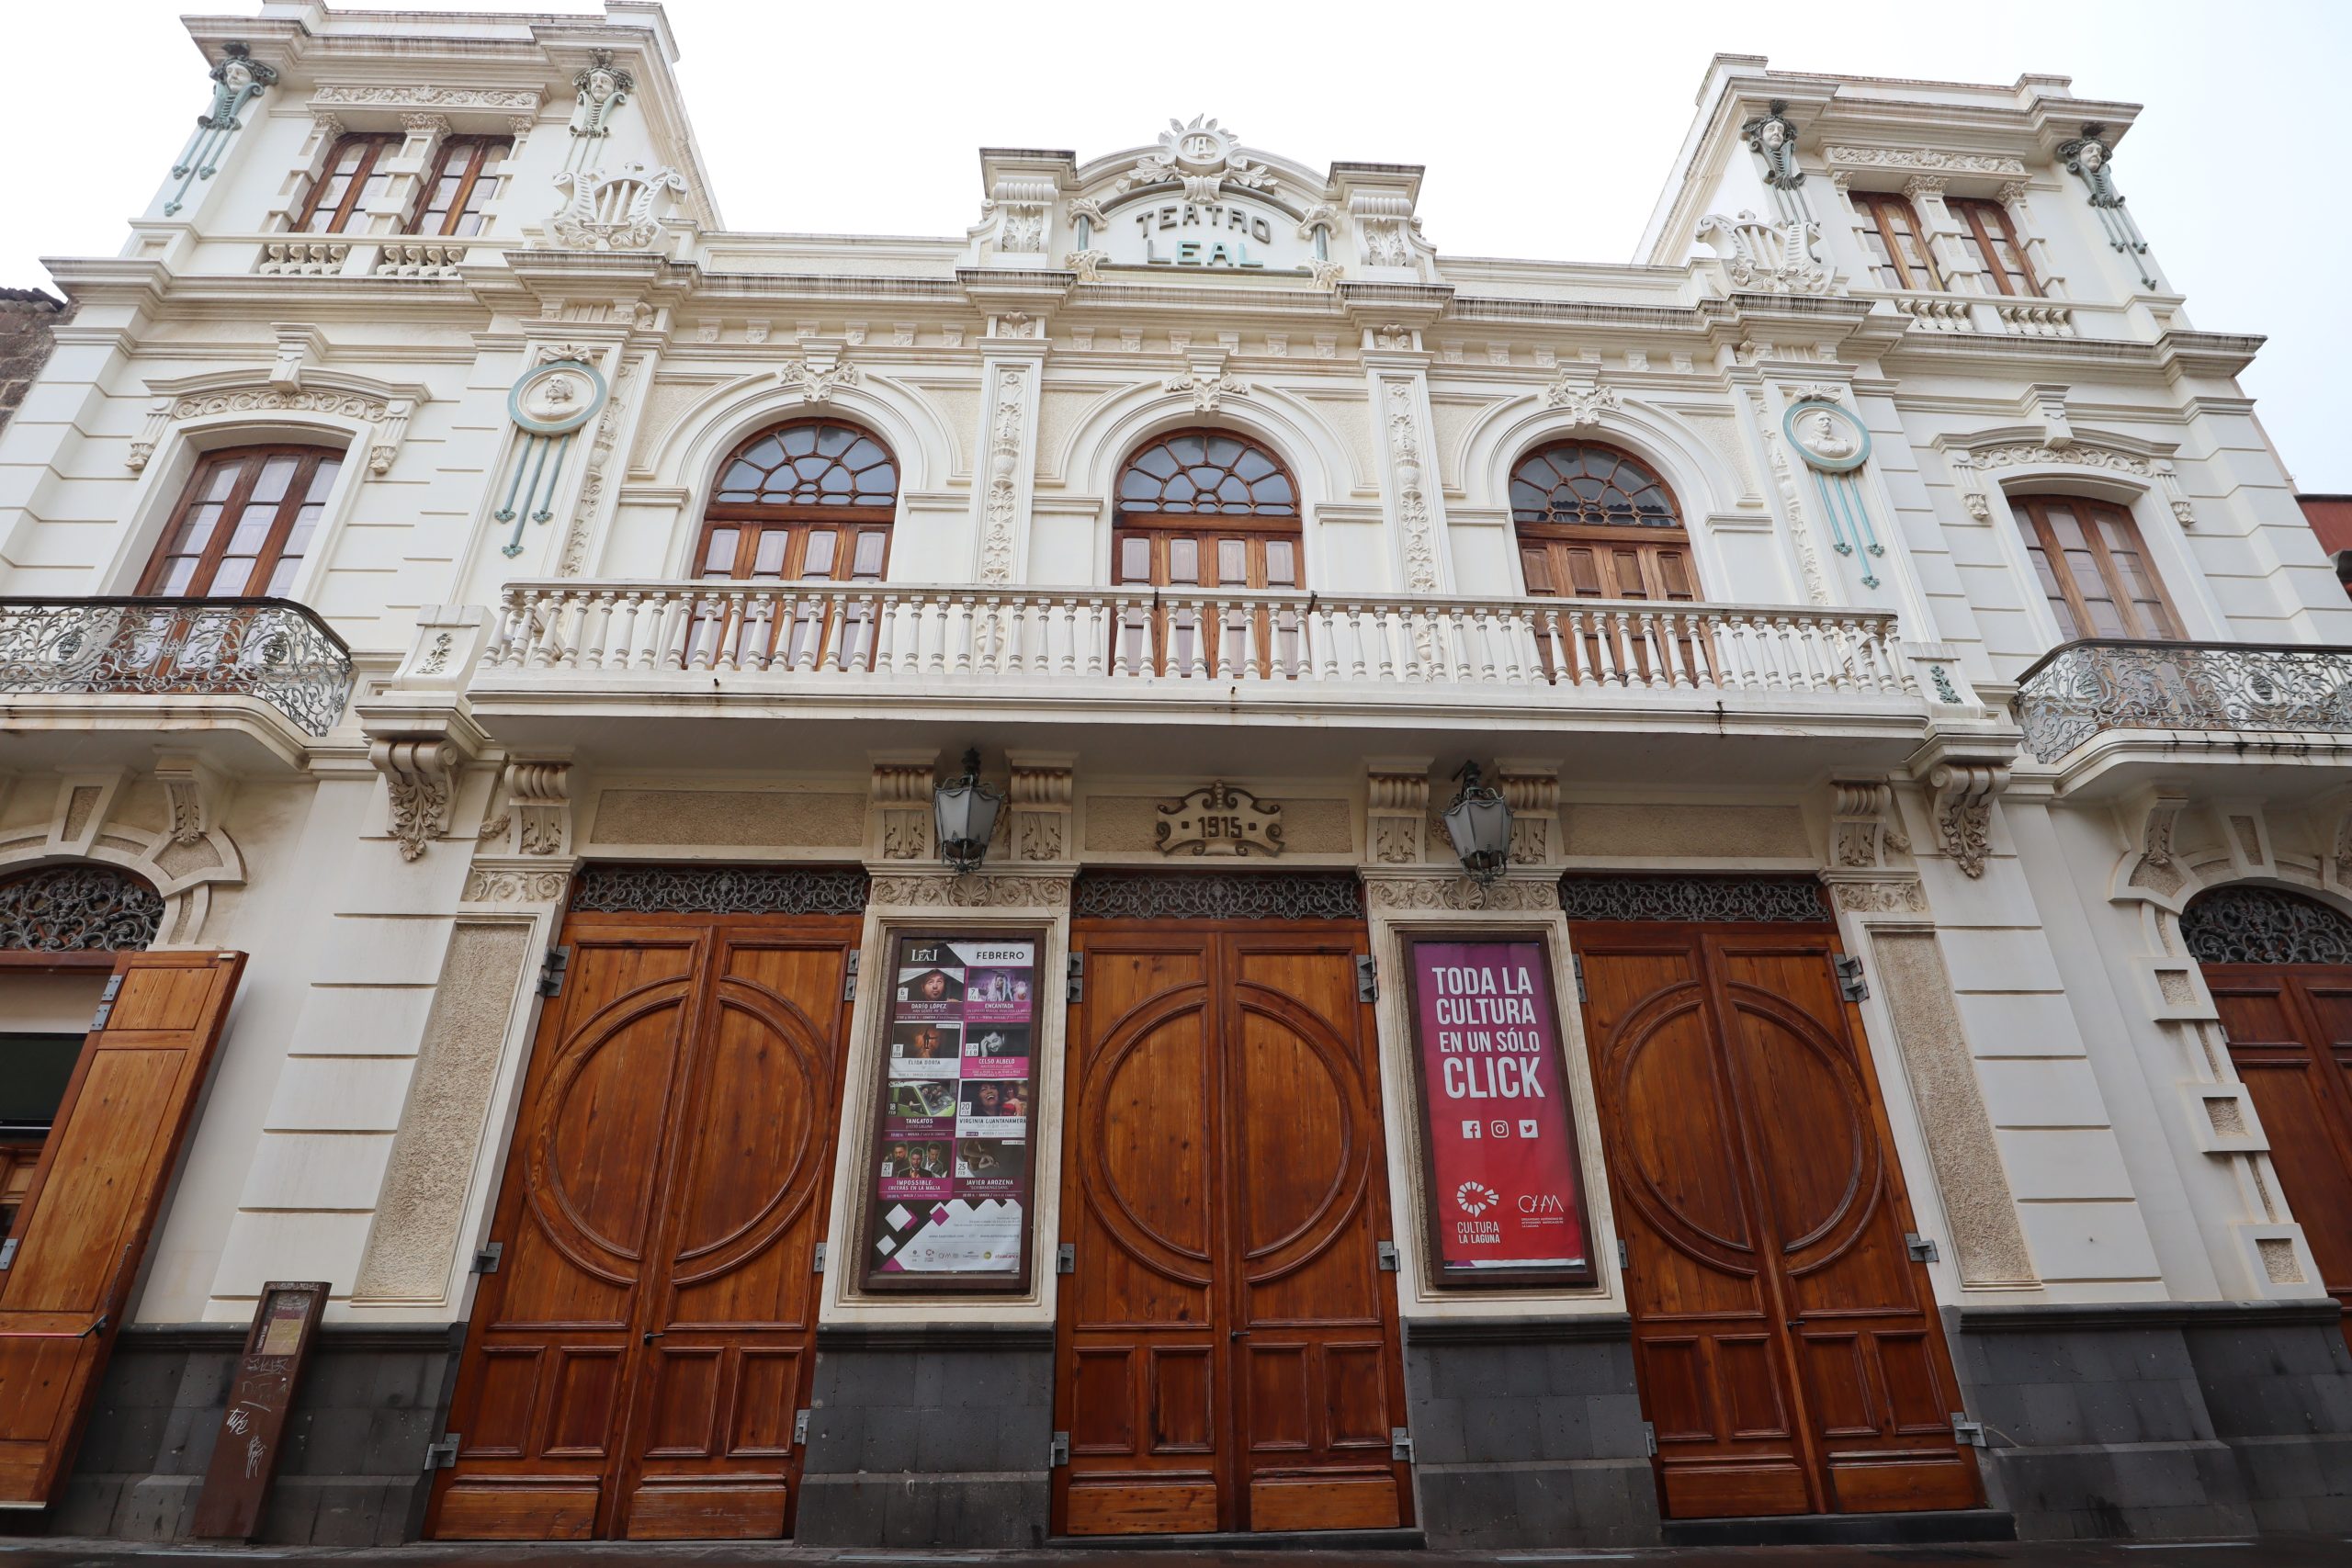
x=2093 y=567
x=810 y=500
x=243 y=523
x=2251 y=923
x=1596 y=522
x=1208 y=509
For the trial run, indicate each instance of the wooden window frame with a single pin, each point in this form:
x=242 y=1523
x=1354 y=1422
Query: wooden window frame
x=798 y=518
x=1526 y=535
x=1874 y=205
x=1169 y=637
x=2036 y=531
x=470 y=183
x=379 y=144
x=266 y=559
x=1972 y=212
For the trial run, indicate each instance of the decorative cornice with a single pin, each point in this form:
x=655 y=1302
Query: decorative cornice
x=973 y=892
x=1924 y=158
x=424 y=95
x=1400 y=895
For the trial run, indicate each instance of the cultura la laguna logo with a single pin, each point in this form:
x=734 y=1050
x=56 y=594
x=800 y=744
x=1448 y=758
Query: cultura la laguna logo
x=1476 y=1198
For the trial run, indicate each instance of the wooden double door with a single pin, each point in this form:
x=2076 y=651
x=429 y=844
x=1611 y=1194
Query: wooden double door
x=2290 y=1039
x=1785 y=1342
x=635 y=1364
x=1228 y=1351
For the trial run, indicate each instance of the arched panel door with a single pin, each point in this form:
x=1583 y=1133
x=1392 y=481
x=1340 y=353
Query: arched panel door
x=1785 y=1343
x=634 y=1366
x=1228 y=1358
x=2279 y=968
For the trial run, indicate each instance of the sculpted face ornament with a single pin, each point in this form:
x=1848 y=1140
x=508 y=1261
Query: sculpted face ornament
x=1820 y=434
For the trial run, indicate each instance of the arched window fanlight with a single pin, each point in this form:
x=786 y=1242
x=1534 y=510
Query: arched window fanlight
x=1576 y=484
x=811 y=462
x=2251 y=923
x=1203 y=473
x=81 y=908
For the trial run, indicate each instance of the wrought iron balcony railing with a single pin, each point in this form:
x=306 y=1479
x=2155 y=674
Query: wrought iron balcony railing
x=272 y=649
x=2083 y=689
x=834 y=635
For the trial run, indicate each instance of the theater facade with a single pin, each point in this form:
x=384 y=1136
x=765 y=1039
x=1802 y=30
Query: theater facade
x=1180 y=865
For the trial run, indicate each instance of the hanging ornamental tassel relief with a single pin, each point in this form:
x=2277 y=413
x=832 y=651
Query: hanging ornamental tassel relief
x=1835 y=447
x=237 y=81
x=549 y=405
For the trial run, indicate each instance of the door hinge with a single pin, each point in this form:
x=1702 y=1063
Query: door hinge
x=1058 y=1452
x=1649 y=1437
x=1367 y=979
x=849 y=980
x=7 y=1252
x=817 y=1260
x=486 y=1260
x=105 y=1003
x=1624 y=1255
x=551 y=971
x=1968 y=1433
x=1577 y=964
x=1850 y=983
x=1065 y=1259
x=1921 y=1249
x=1386 y=1251
x=1074 y=991
x=800 y=1429
x=1400 y=1443
x=442 y=1455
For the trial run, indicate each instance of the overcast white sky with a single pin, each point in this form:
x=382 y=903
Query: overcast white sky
x=1546 y=128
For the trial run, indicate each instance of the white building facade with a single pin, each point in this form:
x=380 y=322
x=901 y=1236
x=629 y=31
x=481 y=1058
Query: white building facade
x=541 y=628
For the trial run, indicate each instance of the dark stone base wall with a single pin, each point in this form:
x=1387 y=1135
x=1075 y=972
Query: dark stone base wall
x=929 y=1437
x=351 y=1471
x=1528 y=1432
x=2163 y=1419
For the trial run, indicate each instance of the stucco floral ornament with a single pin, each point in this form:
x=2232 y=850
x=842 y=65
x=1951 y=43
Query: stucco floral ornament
x=614 y=212
x=1203 y=155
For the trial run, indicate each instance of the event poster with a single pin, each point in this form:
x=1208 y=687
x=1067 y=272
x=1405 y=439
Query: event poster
x=1505 y=1197
x=950 y=1196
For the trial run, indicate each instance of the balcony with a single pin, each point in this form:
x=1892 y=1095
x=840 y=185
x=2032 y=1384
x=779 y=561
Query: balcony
x=2118 y=712
x=1191 y=673
x=84 y=678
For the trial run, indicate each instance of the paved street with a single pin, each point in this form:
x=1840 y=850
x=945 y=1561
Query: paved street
x=2272 y=1552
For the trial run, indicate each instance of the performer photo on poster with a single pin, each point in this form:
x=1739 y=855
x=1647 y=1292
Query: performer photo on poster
x=925 y=1050
x=950 y=1198
x=996 y=1051
x=992 y=1107
x=1505 y=1197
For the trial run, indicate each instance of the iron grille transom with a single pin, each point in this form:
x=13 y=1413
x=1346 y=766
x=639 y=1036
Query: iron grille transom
x=626 y=890
x=2246 y=924
x=1217 y=896
x=78 y=908
x=1640 y=897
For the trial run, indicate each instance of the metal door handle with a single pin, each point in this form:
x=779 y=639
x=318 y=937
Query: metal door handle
x=653 y=1334
x=1240 y=1333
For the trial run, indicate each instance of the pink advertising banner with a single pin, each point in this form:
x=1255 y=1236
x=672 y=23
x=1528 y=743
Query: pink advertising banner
x=1505 y=1197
